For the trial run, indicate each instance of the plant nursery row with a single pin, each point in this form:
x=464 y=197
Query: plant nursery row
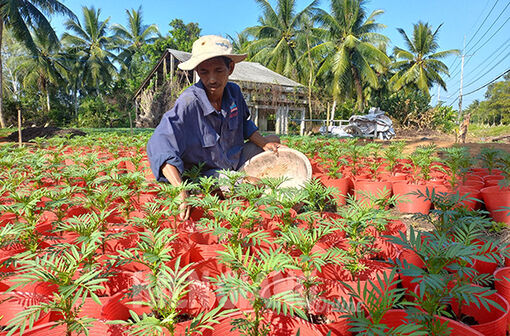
x=90 y=244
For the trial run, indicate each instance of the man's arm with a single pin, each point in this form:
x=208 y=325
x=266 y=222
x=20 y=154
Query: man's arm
x=173 y=176
x=263 y=143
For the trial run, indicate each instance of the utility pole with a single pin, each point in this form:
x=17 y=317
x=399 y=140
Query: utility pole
x=460 y=92
x=438 y=94
x=461 y=81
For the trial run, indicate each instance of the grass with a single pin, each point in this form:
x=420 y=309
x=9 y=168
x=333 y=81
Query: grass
x=484 y=131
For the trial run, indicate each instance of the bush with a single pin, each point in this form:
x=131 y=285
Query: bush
x=408 y=109
x=95 y=112
x=444 y=118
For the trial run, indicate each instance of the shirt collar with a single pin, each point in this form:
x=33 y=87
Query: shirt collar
x=207 y=107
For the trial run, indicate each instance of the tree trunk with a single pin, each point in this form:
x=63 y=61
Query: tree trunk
x=359 y=88
x=20 y=142
x=327 y=118
x=48 y=106
x=310 y=79
x=333 y=108
x=76 y=102
x=2 y=120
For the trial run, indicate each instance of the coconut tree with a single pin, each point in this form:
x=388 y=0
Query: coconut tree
x=131 y=38
x=420 y=66
x=45 y=68
x=19 y=16
x=94 y=46
x=349 y=47
x=275 y=37
x=239 y=42
x=308 y=64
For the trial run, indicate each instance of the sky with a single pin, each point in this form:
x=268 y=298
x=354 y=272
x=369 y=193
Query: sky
x=484 y=25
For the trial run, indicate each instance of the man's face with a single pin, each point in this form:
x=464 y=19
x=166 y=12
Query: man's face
x=214 y=75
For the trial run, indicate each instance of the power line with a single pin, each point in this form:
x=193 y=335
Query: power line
x=481 y=87
x=503 y=59
x=492 y=81
x=454 y=72
x=486 y=41
x=481 y=25
x=489 y=58
x=484 y=69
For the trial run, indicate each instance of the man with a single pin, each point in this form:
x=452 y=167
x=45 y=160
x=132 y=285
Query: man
x=209 y=121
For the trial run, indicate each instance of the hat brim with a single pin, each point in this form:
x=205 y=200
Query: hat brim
x=194 y=61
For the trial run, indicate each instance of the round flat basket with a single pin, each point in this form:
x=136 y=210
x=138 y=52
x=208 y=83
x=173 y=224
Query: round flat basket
x=288 y=163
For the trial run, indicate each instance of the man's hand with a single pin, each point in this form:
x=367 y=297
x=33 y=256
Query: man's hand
x=184 y=207
x=272 y=146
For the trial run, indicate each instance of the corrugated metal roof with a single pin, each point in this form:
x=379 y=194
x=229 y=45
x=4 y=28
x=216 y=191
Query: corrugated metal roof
x=247 y=72
x=182 y=56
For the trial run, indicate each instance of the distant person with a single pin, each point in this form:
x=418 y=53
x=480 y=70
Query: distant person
x=209 y=122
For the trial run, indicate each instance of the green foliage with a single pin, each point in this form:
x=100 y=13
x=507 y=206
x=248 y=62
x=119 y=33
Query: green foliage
x=424 y=159
x=368 y=305
x=180 y=37
x=96 y=112
x=63 y=269
x=407 y=108
x=493 y=110
x=250 y=270
x=349 y=47
x=420 y=66
x=444 y=118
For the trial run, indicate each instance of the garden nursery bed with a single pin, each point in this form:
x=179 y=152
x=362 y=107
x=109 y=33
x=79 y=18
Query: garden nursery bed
x=90 y=243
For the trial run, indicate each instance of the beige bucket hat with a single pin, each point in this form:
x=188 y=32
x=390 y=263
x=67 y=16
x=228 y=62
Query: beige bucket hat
x=207 y=47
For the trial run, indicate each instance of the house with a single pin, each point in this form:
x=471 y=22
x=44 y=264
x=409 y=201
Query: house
x=271 y=97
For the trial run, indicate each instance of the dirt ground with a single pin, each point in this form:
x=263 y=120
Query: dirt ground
x=415 y=139
x=31 y=133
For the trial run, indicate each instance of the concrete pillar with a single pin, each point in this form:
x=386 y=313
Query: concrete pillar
x=302 y=124
x=286 y=120
x=278 y=121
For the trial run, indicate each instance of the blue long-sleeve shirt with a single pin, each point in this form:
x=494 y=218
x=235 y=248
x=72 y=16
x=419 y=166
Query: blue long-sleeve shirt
x=193 y=132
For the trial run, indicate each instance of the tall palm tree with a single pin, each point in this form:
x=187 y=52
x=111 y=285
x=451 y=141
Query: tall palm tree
x=19 y=16
x=131 y=38
x=239 y=42
x=94 y=46
x=274 y=42
x=420 y=66
x=45 y=68
x=350 y=53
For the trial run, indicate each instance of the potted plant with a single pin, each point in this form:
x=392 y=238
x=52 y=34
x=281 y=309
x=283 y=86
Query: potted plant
x=497 y=198
x=423 y=160
x=259 y=313
x=72 y=295
x=444 y=284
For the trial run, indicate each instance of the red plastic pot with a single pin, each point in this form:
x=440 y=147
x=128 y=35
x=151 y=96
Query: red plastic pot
x=396 y=317
x=491 y=321
x=411 y=258
x=377 y=189
x=374 y=269
x=495 y=199
x=341 y=185
x=325 y=290
x=339 y=327
x=496 y=177
x=475 y=184
x=411 y=203
x=502 y=282
x=279 y=325
x=16 y=302
x=386 y=249
x=98 y=328
x=471 y=197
